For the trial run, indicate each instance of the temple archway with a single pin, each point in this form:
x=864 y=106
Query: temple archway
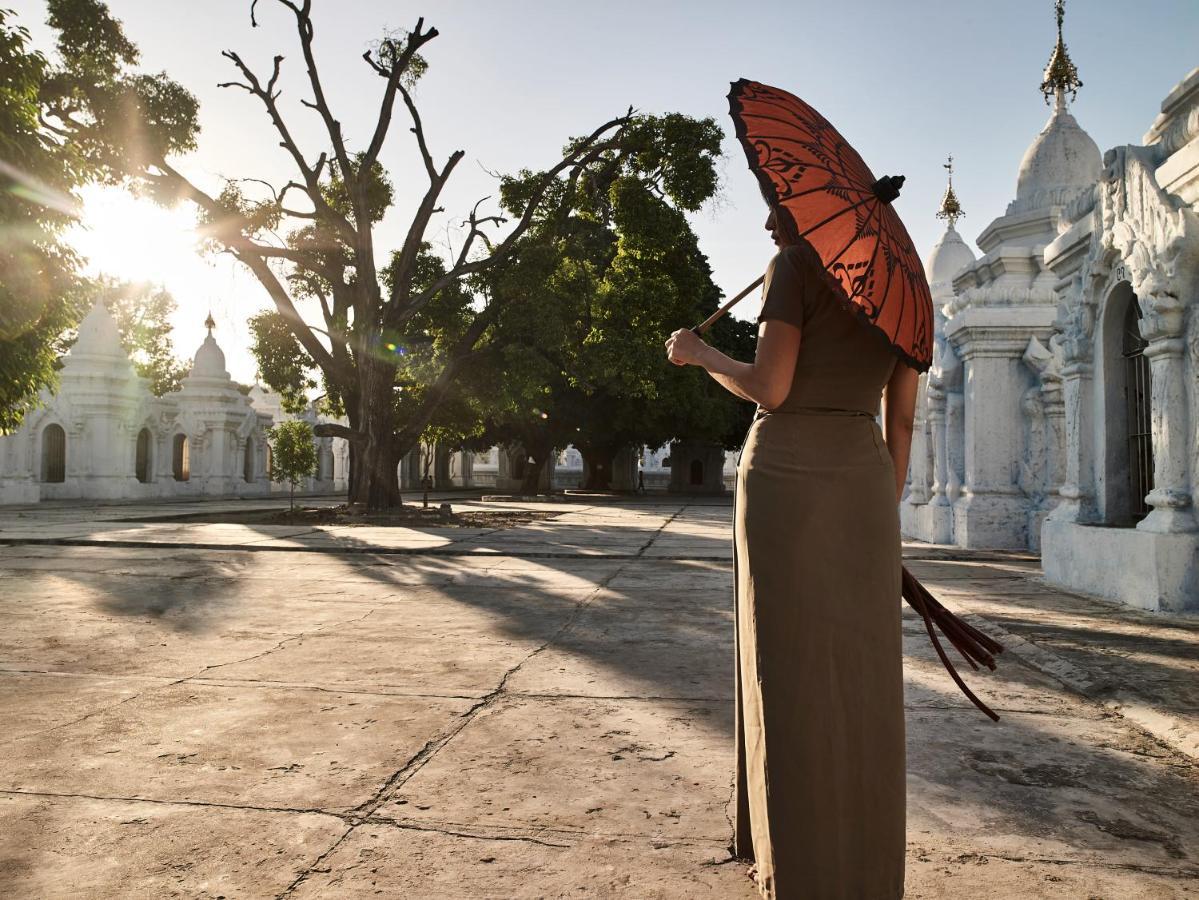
x=54 y=454
x=142 y=461
x=247 y=463
x=181 y=458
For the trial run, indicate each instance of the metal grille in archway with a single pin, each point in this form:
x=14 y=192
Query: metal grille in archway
x=1137 y=393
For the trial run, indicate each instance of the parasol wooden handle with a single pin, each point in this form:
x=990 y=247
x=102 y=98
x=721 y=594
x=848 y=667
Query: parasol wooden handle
x=708 y=322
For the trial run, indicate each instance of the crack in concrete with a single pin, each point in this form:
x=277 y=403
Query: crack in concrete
x=412 y=826
x=245 y=807
x=515 y=833
x=728 y=817
x=278 y=646
x=417 y=761
x=640 y=554
x=172 y=683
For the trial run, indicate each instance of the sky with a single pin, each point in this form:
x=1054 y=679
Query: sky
x=509 y=81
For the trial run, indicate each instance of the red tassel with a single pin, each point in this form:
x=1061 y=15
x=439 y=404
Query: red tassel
x=971 y=643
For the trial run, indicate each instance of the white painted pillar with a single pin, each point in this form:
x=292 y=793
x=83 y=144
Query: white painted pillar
x=1170 y=498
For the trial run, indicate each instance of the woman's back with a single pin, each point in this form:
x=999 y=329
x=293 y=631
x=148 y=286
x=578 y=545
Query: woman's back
x=843 y=363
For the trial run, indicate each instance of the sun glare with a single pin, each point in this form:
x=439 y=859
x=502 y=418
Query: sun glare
x=134 y=239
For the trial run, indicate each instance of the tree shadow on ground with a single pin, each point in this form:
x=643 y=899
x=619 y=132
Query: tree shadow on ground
x=661 y=629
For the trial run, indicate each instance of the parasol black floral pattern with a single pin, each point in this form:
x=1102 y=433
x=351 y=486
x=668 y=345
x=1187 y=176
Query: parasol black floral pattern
x=831 y=200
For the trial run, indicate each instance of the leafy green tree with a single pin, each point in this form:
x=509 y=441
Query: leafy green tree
x=80 y=117
x=327 y=216
x=293 y=453
x=142 y=312
x=584 y=363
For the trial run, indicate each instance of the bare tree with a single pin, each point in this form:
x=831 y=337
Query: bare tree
x=324 y=242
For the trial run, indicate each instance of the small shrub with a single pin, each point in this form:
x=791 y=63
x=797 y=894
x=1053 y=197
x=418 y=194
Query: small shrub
x=293 y=453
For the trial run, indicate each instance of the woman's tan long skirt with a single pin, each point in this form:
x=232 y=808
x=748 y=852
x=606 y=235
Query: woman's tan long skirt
x=821 y=799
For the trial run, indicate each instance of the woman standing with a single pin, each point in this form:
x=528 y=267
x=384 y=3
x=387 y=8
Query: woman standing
x=821 y=800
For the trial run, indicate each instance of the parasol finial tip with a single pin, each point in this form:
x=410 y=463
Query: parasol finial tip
x=887 y=187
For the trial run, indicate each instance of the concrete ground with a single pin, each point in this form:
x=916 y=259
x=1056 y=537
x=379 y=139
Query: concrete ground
x=212 y=711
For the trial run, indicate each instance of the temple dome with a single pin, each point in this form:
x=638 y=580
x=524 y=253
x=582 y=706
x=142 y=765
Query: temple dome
x=1060 y=163
x=950 y=255
x=209 y=361
x=98 y=335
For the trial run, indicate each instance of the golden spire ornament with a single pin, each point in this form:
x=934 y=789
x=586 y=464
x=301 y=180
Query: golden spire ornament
x=209 y=323
x=1061 y=75
x=951 y=210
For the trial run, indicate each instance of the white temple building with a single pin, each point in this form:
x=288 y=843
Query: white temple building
x=1060 y=413
x=104 y=436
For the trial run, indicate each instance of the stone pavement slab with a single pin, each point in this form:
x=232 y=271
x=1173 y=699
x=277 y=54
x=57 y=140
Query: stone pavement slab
x=450 y=863
x=601 y=768
x=79 y=846
x=224 y=743
x=545 y=713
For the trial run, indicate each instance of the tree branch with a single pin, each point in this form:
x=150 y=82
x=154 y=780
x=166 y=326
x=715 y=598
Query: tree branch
x=332 y=429
x=464 y=350
x=415 y=40
x=310 y=174
x=474 y=220
x=419 y=130
x=585 y=152
x=416 y=233
x=249 y=253
x=303 y=16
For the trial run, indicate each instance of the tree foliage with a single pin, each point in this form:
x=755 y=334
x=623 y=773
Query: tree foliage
x=583 y=362
x=81 y=116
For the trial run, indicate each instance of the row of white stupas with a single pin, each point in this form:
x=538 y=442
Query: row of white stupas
x=1061 y=410
x=103 y=435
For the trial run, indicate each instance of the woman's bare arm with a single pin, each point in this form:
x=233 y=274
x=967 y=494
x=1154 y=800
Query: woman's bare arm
x=766 y=380
x=899 y=411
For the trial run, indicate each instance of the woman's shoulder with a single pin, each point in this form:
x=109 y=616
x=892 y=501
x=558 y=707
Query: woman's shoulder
x=790 y=255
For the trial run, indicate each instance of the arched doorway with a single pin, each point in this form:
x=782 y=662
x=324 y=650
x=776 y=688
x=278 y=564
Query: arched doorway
x=247 y=463
x=181 y=458
x=141 y=466
x=1127 y=449
x=697 y=472
x=54 y=454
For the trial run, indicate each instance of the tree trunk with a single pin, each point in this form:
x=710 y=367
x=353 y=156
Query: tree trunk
x=598 y=462
x=355 y=473
x=376 y=482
